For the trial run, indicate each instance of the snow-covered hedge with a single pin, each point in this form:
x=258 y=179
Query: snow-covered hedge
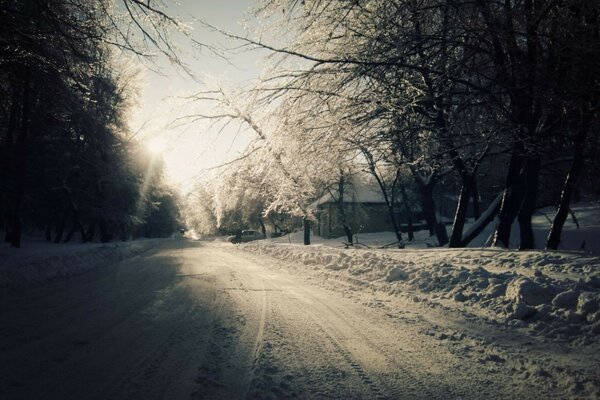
x=554 y=294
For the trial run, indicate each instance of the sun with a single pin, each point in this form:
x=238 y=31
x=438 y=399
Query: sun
x=156 y=146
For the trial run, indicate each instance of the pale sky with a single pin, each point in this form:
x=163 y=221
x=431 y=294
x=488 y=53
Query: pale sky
x=192 y=149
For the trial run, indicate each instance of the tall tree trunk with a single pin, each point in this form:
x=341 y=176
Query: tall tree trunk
x=408 y=211
x=461 y=211
x=105 y=234
x=441 y=234
x=482 y=222
x=21 y=166
x=512 y=198
x=569 y=187
x=262 y=227
x=88 y=235
x=61 y=227
x=306 y=225
x=70 y=234
x=342 y=209
x=531 y=177
x=7 y=164
x=428 y=207
x=475 y=194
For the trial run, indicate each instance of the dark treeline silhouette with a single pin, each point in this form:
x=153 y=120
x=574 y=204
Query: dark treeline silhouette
x=66 y=166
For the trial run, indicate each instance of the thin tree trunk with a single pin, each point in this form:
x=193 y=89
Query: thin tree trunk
x=21 y=166
x=461 y=212
x=569 y=188
x=88 y=235
x=342 y=210
x=7 y=163
x=410 y=230
x=511 y=199
x=482 y=222
x=475 y=194
x=61 y=228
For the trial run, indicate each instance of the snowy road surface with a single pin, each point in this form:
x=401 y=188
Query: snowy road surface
x=192 y=320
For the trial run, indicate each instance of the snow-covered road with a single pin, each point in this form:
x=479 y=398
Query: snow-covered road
x=201 y=320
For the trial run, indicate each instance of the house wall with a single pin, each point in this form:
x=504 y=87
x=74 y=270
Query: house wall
x=362 y=218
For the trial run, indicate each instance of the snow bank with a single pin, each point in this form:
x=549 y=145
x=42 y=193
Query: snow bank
x=556 y=295
x=583 y=236
x=38 y=263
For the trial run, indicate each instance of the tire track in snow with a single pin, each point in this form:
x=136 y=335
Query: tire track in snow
x=348 y=334
x=356 y=366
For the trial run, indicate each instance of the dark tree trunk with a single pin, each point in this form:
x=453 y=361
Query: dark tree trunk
x=7 y=163
x=262 y=227
x=306 y=224
x=61 y=228
x=461 y=212
x=105 y=235
x=88 y=235
x=408 y=211
x=21 y=166
x=487 y=217
x=511 y=199
x=342 y=210
x=531 y=176
x=71 y=233
x=475 y=193
x=441 y=234
x=569 y=188
x=410 y=229
x=395 y=225
x=428 y=207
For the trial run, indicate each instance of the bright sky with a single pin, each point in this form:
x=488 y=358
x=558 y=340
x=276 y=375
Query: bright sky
x=190 y=150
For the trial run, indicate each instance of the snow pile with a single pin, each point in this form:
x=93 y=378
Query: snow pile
x=579 y=235
x=556 y=295
x=38 y=264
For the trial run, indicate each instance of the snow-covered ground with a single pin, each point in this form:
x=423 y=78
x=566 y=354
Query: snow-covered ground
x=552 y=294
x=552 y=297
x=547 y=293
x=38 y=261
x=533 y=314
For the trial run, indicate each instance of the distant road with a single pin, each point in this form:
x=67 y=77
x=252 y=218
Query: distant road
x=194 y=320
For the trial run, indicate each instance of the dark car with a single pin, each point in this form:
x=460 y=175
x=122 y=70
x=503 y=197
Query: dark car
x=246 y=236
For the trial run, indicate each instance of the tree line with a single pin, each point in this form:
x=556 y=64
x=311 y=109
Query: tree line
x=426 y=96
x=69 y=165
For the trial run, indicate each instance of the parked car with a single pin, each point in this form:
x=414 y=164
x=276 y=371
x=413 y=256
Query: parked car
x=246 y=236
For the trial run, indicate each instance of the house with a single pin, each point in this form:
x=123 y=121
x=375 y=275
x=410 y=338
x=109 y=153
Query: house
x=365 y=209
